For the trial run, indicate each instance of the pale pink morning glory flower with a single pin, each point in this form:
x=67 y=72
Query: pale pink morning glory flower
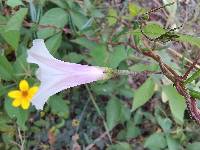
x=56 y=75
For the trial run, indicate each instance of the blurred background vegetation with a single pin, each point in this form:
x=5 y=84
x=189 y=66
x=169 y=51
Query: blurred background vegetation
x=125 y=113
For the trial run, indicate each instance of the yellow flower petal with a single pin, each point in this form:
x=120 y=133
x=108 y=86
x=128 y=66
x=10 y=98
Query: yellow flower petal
x=14 y=94
x=16 y=102
x=32 y=91
x=23 y=85
x=25 y=103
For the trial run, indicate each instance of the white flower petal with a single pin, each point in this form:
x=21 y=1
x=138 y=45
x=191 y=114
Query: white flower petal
x=56 y=75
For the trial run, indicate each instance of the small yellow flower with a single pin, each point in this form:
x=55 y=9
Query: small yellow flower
x=23 y=96
x=75 y=123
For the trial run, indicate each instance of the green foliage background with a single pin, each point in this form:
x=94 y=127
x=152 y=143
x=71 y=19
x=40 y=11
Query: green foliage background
x=134 y=112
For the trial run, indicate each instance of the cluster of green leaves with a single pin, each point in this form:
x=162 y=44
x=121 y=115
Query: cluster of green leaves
x=79 y=33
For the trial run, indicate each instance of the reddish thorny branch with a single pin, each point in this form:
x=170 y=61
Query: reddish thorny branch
x=178 y=81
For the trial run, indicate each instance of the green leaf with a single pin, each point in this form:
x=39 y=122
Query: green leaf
x=16 y=20
x=78 y=19
x=20 y=65
x=193 y=77
x=143 y=93
x=6 y=69
x=138 y=117
x=2 y=26
x=11 y=32
x=98 y=51
x=117 y=56
x=156 y=141
x=193 y=146
x=14 y=3
x=133 y=9
x=74 y=57
x=116 y=113
x=125 y=114
x=87 y=26
x=112 y=17
x=11 y=37
x=53 y=43
x=112 y=113
x=194 y=94
x=3 y=20
x=176 y=103
x=3 y=90
x=58 y=106
x=88 y=4
x=104 y=89
x=7 y=137
x=99 y=55
x=86 y=43
x=189 y=39
x=4 y=123
x=153 y=30
x=172 y=143
x=132 y=130
x=56 y=17
x=60 y=3
x=18 y=113
x=165 y=123
x=120 y=146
